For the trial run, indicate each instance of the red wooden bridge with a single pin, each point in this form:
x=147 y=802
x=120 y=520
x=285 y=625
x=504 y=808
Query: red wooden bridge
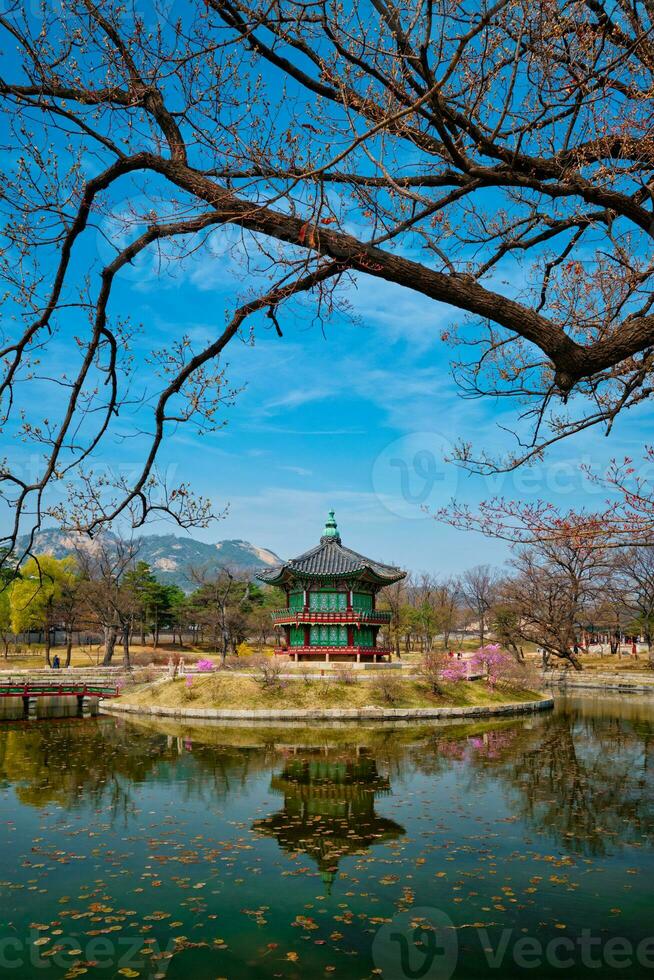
x=56 y=689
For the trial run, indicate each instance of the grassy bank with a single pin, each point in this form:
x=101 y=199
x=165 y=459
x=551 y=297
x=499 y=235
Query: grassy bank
x=221 y=690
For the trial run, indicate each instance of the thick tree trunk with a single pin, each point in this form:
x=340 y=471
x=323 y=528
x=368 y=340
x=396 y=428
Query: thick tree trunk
x=109 y=644
x=572 y=658
x=47 y=647
x=69 y=647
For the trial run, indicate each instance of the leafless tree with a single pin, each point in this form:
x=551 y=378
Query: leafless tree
x=220 y=603
x=395 y=597
x=548 y=595
x=448 y=595
x=632 y=587
x=478 y=586
x=69 y=610
x=110 y=604
x=492 y=156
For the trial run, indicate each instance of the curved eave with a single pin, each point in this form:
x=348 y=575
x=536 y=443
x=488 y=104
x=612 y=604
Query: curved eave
x=287 y=574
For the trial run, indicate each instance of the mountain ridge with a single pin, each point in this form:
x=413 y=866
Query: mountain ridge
x=170 y=557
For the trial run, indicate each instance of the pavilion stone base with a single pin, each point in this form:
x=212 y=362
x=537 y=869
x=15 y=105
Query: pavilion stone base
x=350 y=655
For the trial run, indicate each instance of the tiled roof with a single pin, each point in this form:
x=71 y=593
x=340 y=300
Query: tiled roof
x=331 y=559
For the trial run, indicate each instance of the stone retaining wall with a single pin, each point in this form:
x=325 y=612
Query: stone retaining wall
x=331 y=714
x=567 y=680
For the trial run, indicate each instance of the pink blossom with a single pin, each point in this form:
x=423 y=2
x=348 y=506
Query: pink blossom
x=491 y=661
x=455 y=671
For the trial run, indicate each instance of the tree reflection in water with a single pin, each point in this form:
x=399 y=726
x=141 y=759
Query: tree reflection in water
x=582 y=776
x=146 y=830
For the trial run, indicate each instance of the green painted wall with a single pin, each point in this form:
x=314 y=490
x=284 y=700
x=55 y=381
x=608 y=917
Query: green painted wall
x=296 y=601
x=325 y=601
x=364 y=637
x=329 y=636
x=362 y=601
x=297 y=636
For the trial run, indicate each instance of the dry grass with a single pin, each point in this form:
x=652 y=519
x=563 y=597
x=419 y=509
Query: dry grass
x=30 y=658
x=612 y=664
x=221 y=690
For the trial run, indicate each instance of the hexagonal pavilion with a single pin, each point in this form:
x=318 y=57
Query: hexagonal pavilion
x=330 y=611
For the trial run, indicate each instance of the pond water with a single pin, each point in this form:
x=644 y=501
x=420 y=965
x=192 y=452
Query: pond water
x=498 y=849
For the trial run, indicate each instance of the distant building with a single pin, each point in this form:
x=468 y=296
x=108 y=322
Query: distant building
x=330 y=609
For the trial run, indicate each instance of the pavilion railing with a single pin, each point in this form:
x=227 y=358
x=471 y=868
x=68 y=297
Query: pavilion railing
x=343 y=616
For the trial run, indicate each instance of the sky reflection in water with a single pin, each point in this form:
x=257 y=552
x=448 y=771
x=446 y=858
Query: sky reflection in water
x=166 y=850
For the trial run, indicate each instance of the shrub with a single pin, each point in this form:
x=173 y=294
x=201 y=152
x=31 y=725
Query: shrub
x=513 y=674
x=387 y=687
x=268 y=672
x=500 y=668
x=431 y=668
x=306 y=673
x=204 y=665
x=188 y=691
x=145 y=675
x=244 y=650
x=454 y=671
x=344 y=675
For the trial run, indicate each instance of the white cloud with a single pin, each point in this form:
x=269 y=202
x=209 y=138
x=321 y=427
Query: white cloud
x=298 y=470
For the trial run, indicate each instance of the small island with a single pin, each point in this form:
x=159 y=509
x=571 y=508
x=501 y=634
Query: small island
x=223 y=694
x=329 y=663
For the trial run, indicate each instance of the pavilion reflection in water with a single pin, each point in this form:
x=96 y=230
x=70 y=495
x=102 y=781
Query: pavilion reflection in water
x=329 y=808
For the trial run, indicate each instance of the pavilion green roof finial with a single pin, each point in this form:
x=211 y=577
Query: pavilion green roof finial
x=331 y=528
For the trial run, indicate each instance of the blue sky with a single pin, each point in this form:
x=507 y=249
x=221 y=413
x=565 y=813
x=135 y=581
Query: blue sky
x=355 y=416
x=356 y=413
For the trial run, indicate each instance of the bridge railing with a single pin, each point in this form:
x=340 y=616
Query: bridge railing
x=34 y=689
